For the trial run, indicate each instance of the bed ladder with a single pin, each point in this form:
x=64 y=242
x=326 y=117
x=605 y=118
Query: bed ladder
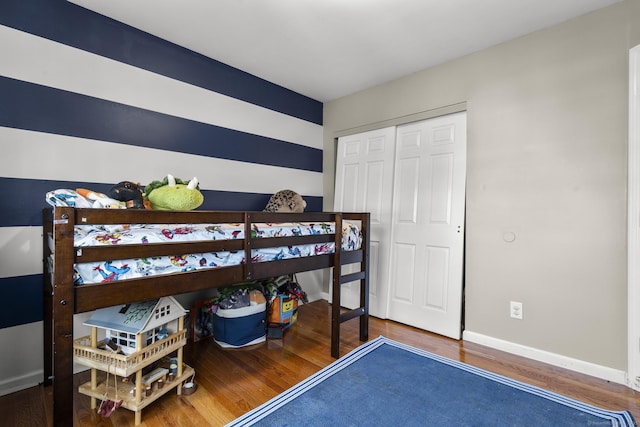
x=350 y=257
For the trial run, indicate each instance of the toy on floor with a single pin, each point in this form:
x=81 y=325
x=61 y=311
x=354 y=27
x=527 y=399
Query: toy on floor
x=174 y=194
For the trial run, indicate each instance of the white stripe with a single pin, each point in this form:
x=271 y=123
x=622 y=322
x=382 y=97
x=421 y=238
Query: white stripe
x=20 y=251
x=36 y=155
x=34 y=59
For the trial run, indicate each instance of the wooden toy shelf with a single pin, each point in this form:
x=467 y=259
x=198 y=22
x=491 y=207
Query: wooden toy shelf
x=126 y=390
x=133 y=392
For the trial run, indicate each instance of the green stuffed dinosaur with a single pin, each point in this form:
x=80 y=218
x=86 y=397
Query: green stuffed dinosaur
x=174 y=194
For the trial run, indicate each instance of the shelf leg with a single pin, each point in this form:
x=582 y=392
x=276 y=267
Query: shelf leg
x=138 y=386
x=94 y=372
x=94 y=385
x=180 y=359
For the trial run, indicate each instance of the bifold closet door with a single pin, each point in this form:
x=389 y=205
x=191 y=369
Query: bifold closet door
x=427 y=248
x=364 y=182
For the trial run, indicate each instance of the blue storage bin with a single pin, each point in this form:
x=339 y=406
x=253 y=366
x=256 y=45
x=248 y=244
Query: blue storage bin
x=239 y=327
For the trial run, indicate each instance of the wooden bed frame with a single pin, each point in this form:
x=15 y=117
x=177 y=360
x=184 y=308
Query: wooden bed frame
x=62 y=299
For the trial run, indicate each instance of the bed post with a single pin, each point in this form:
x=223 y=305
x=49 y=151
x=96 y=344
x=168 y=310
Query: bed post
x=47 y=228
x=62 y=309
x=364 y=283
x=335 y=291
x=248 y=262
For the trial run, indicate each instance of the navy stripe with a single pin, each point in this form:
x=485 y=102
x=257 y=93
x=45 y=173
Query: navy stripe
x=230 y=201
x=22 y=200
x=45 y=109
x=75 y=26
x=22 y=298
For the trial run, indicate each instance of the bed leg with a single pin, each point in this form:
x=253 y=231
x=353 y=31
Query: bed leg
x=335 y=328
x=364 y=283
x=62 y=309
x=364 y=303
x=47 y=294
x=335 y=310
x=63 y=391
x=364 y=328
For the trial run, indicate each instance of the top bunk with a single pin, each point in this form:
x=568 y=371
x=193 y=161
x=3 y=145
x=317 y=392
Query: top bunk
x=108 y=257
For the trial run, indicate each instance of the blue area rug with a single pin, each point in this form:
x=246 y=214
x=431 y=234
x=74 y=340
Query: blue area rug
x=386 y=383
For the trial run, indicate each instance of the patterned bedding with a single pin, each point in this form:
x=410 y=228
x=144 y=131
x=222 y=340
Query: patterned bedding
x=107 y=271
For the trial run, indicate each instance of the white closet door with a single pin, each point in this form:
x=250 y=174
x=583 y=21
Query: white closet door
x=364 y=182
x=428 y=225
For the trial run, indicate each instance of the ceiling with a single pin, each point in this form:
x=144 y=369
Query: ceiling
x=326 y=49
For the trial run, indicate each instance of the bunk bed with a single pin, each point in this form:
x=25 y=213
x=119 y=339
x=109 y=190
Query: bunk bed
x=65 y=294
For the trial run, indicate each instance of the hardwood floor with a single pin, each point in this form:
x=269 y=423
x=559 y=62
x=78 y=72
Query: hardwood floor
x=231 y=382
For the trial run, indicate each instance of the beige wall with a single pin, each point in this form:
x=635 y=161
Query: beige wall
x=547 y=141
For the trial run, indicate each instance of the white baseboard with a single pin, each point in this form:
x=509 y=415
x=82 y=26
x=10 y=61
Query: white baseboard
x=11 y=385
x=576 y=365
x=322 y=295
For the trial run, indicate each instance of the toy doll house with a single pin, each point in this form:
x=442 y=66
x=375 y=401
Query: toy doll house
x=137 y=325
x=138 y=357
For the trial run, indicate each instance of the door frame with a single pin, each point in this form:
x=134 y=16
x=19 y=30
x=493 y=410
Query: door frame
x=633 y=223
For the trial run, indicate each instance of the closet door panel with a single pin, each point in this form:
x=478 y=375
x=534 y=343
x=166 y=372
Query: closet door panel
x=437 y=277
x=374 y=191
x=406 y=194
x=364 y=182
x=441 y=189
x=376 y=289
x=350 y=187
x=403 y=276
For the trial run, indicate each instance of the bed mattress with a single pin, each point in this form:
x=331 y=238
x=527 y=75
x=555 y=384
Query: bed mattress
x=108 y=271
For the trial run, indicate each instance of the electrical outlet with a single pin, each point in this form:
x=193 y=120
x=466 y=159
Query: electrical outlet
x=516 y=310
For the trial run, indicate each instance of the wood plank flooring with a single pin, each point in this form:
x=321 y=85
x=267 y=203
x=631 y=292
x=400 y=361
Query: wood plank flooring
x=231 y=382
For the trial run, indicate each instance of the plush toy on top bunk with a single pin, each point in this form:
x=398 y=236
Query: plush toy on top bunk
x=123 y=195
x=286 y=201
x=174 y=194
x=130 y=193
x=169 y=194
x=82 y=198
x=282 y=310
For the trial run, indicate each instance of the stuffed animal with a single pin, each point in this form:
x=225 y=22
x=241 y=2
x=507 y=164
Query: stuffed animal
x=100 y=200
x=174 y=194
x=128 y=192
x=286 y=201
x=67 y=197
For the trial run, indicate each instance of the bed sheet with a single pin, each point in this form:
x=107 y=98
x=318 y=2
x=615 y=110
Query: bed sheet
x=108 y=271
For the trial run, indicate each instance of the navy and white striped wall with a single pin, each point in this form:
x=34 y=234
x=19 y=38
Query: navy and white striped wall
x=86 y=101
